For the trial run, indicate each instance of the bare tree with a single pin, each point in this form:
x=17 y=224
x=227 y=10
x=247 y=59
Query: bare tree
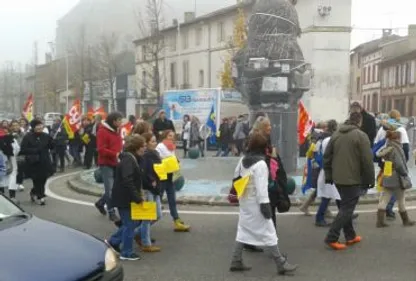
x=107 y=62
x=150 y=24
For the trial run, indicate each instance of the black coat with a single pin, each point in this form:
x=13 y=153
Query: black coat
x=59 y=134
x=150 y=158
x=36 y=149
x=93 y=139
x=162 y=125
x=369 y=126
x=127 y=186
x=281 y=180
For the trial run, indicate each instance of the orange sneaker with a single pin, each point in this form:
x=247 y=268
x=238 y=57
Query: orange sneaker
x=337 y=246
x=356 y=240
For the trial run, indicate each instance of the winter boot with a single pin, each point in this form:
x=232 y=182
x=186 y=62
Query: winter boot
x=283 y=267
x=381 y=214
x=180 y=226
x=237 y=261
x=406 y=220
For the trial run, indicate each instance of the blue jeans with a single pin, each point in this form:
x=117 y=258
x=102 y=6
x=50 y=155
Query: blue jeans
x=74 y=151
x=390 y=206
x=107 y=172
x=125 y=234
x=320 y=215
x=144 y=229
x=171 y=194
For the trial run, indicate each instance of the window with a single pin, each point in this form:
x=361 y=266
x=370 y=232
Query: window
x=398 y=76
x=173 y=71
x=198 y=36
x=156 y=80
x=410 y=107
x=173 y=43
x=144 y=51
x=185 y=40
x=201 y=78
x=144 y=79
x=365 y=102
x=385 y=79
x=404 y=75
x=220 y=32
x=186 y=73
x=369 y=74
x=412 y=72
x=358 y=85
x=375 y=73
x=384 y=106
x=374 y=102
x=364 y=75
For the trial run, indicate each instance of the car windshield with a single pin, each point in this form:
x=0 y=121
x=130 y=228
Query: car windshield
x=8 y=209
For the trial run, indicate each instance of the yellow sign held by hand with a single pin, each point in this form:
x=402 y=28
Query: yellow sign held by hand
x=145 y=211
x=240 y=185
x=160 y=171
x=388 y=169
x=171 y=164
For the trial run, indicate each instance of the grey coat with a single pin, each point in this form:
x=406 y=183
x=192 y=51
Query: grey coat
x=394 y=152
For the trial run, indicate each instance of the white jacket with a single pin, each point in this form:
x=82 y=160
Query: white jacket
x=164 y=152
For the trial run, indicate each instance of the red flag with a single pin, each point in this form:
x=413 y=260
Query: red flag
x=72 y=120
x=99 y=111
x=305 y=123
x=125 y=130
x=28 y=108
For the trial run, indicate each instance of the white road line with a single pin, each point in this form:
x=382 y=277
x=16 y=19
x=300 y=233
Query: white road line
x=51 y=194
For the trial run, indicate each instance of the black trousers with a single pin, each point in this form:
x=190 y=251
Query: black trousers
x=20 y=177
x=90 y=155
x=350 y=196
x=185 y=147
x=59 y=153
x=38 y=189
x=274 y=210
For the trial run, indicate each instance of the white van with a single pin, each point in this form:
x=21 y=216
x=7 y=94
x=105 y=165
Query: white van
x=50 y=117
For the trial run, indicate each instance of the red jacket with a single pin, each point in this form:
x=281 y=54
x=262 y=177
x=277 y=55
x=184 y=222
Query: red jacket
x=109 y=145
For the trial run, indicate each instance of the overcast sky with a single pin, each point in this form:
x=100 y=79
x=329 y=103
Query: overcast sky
x=24 y=21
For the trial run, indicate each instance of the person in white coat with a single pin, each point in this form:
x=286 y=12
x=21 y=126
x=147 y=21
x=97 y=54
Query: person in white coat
x=255 y=226
x=326 y=192
x=186 y=130
x=13 y=186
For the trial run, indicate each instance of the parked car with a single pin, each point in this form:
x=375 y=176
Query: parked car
x=35 y=249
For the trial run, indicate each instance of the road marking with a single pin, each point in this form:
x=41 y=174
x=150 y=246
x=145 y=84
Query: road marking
x=51 y=194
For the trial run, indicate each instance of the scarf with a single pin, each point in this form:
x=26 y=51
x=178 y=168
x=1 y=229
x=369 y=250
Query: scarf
x=170 y=145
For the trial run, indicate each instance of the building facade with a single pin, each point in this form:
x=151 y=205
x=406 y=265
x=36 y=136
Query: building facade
x=195 y=51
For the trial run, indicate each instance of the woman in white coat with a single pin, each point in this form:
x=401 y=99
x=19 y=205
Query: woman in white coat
x=325 y=191
x=255 y=226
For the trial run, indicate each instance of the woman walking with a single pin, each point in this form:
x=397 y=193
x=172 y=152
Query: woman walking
x=127 y=190
x=36 y=147
x=255 y=226
x=195 y=136
x=151 y=186
x=325 y=191
x=395 y=178
x=16 y=140
x=166 y=149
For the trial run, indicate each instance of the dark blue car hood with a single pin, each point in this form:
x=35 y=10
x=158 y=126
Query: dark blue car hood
x=41 y=250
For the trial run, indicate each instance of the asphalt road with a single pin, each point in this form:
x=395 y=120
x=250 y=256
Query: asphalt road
x=204 y=253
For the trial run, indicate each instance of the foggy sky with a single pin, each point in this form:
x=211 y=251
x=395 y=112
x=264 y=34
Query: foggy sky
x=24 y=21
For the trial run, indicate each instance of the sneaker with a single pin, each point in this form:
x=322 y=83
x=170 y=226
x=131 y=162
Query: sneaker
x=322 y=224
x=356 y=240
x=113 y=217
x=42 y=202
x=336 y=246
x=101 y=209
x=21 y=187
x=131 y=257
x=180 y=226
x=239 y=266
x=116 y=248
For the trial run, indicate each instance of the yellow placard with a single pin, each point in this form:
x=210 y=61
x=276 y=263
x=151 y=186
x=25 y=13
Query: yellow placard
x=388 y=169
x=86 y=138
x=145 y=211
x=171 y=164
x=240 y=185
x=160 y=171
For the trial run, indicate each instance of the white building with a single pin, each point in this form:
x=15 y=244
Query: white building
x=195 y=52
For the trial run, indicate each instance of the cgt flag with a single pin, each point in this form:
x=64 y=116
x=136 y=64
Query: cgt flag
x=28 y=108
x=305 y=123
x=72 y=120
x=99 y=111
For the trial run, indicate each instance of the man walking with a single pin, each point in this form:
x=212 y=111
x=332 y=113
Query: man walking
x=348 y=163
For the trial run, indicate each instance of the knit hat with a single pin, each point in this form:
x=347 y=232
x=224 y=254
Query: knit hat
x=34 y=123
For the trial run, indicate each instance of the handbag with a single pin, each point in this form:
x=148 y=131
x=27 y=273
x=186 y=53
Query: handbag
x=283 y=203
x=405 y=182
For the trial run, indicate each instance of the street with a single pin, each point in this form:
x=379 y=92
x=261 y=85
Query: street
x=205 y=252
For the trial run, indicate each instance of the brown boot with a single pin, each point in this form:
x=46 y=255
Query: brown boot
x=406 y=220
x=381 y=214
